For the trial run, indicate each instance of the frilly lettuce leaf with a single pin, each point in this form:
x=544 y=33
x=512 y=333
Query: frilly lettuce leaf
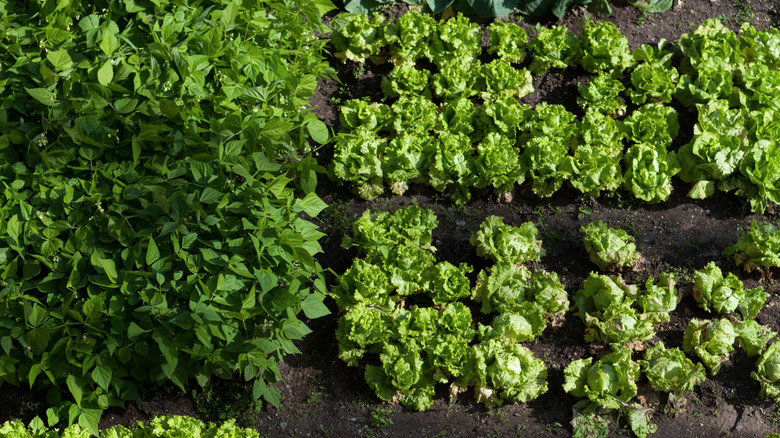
x=410 y=37
x=505 y=286
x=669 y=370
x=659 y=299
x=504 y=115
x=359 y=114
x=653 y=82
x=760 y=167
x=507 y=371
x=714 y=292
x=553 y=47
x=649 y=171
x=505 y=243
x=711 y=40
x=497 y=164
x=456 y=79
x=609 y=248
x=602 y=94
x=753 y=337
x=712 y=341
x=758 y=249
x=455 y=37
x=413 y=114
x=356 y=160
x=653 y=124
x=610 y=382
x=502 y=79
x=767 y=372
x=406 y=80
x=604 y=48
x=405 y=159
x=453 y=166
x=356 y=36
x=449 y=282
x=508 y=40
x=457 y=117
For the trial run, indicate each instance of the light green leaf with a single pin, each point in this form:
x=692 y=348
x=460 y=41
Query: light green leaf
x=106 y=73
x=75 y=386
x=60 y=59
x=102 y=376
x=313 y=306
x=275 y=129
x=318 y=131
x=42 y=95
x=311 y=204
x=152 y=253
x=229 y=283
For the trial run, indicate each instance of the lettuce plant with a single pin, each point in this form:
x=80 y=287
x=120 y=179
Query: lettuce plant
x=609 y=382
x=649 y=171
x=456 y=79
x=606 y=306
x=669 y=370
x=717 y=117
x=659 y=299
x=593 y=167
x=453 y=166
x=753 y=337
x=553 y=47
x=767 y=372
x=710 y=40
x=543 y=160
x=502 y=79
x=760 y=46
x=405 y=158
x=357 y=36
x=555 y=122
x=504 y=115
x=500 y=242
x=711 y=341
x=758 y=249
x=506 y=371
x=602 y=130
x=497 y=164
x=715 y=293
x=458 y=38
x=505 y=286
x=710 y=160
x=609 y=248
x=760 y=168
x=410 y=37
x=604 y=48
x=508 y=40
x=653 y=82
x=357 y=113
x=406 y=80
x=602 y=94
x=713 y=80
x=356 y=159
x=653 y=124
x=765 y=124
x=761 y=87
x=413 y=114
x=457 y=117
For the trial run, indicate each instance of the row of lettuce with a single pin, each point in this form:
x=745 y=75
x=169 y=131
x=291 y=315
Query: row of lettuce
x=156 y=198
x=407 y=319
x=459 y=125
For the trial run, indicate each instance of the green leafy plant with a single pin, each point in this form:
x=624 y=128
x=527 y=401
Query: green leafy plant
x=654 y=78
x=497 y=164
x=410 y=36
x=602 y=94
x=455 y=38
x=760 y=169
x=157 y=233
x=168 y=425
x=553 y=47
x=767 y=372
x=501 y=79
x=604 y=48
x=711 y=341
x=356 y=36
x=758 y=248
x=406 y=80
x=500 y=242
x=714 y=292
x=669 y=370
x=609 y=382
x=649 y=171
x=508 y=41
x=609 y=248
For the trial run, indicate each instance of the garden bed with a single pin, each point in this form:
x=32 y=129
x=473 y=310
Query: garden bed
x=322 y=396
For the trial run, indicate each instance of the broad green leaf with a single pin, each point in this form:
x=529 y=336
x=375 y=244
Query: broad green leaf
x=75 y=385
x=275 y=129
x=318 y=131
x=109 y=267
x=134 y=330
x=106 y=73
x=60 y=59
x=102 y=376
x=33 y=374
x=229 y=283
x=311 y=204
x=313 y=306
x=89 y=419
x=152 y=253
x=42 y=95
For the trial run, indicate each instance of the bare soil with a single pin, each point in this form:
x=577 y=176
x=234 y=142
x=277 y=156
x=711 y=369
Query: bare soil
x=323 y=397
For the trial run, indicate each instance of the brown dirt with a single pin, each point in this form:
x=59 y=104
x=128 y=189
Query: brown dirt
x=322 y=397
